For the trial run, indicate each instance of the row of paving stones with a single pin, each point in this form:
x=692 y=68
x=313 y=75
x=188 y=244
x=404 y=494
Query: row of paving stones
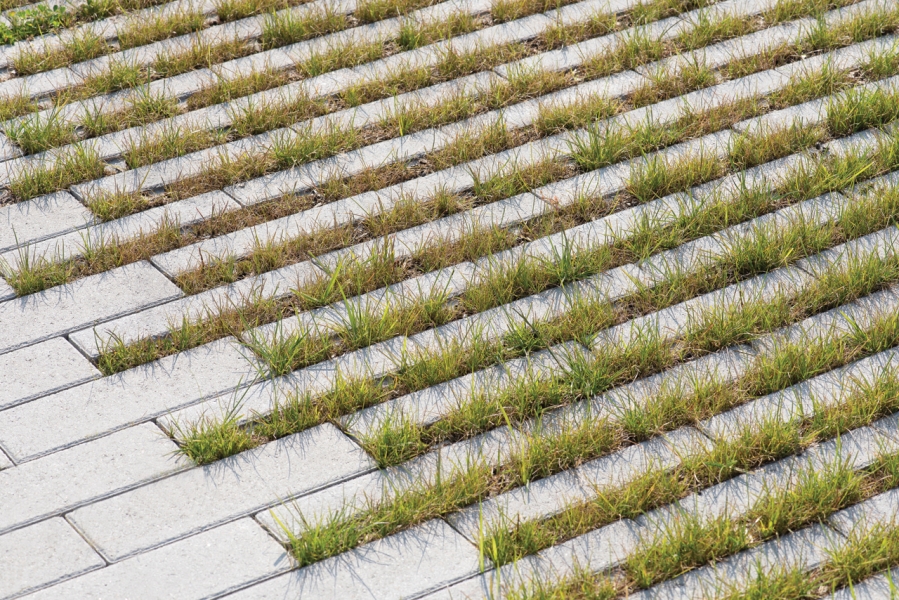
x=609 y=546
x=221 y=115
x=156 y=321
x=286 y=58
x=306 y=176
x=48 y=302
x=107 y=29
x=148 y=524
x=46 y=476
x=130 y=432
x=220 y=367
x=725 y=366
x=112 y=145
x=195 y=209
x=190 y=211
x=49 y=216
x=433 y=544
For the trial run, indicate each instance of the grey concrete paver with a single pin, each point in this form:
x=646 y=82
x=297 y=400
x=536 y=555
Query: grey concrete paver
x=42 y=369
x=207 y=565
x=804 y=550
x=96 y=500
x=78 y=414
x=403 y=565
x=883 y=586
x=41 y=218
x=201 y=498
x=41 y=555
x=66 y=308
x=54 y=484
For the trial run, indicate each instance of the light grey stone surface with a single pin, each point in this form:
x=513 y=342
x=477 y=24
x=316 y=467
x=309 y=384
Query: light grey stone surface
x=342 y=501
x=86 y=473
x=81 y=413
x=41 y=84
x=883 y=586
x=42 y=369
x=403 y=565
x=546 y=497
x=69 y=307
x=875 y=514
x=204 y=566
x=596 y=551
x=201 y=498
x=6 y=291
x=427 y=406
x=804 y=550
x=157 y=320
x=40 y=218
x=41 y=555
x=75 y=244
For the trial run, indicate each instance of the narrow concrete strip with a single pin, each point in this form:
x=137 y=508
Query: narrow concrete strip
x=883 y=586
x=404 y=565
x=596 y=551
x=805 y=550
x=75 y=244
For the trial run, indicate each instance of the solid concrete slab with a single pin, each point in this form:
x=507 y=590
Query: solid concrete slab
x=41 y=555
x=41 y=218
x=85 y=412
x=42 y=369
x=202 y=498
x=204 y=566
x=63 y=481
x=82 y=303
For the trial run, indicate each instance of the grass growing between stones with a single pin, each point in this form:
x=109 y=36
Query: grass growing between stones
x=692 y=544
x=472 y=246
x=685 y=541
x=866 y=109
x=641 y=356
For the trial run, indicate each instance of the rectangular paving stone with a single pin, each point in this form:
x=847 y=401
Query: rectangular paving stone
x=582 y=12
x=82 y=413
x=82 y=303
x=875 y=513
x=805 y=550
x=882 y=586
x=58 y=483
x=8 y=149
x=207 y=565
x=204 y=497
x=41 y=84
x=342 y=501
x=41 y=218
x=41 y=555
x=593 y=552
x=42 y=369
x=403 y=565
x=184 y=213
x=157 y=320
